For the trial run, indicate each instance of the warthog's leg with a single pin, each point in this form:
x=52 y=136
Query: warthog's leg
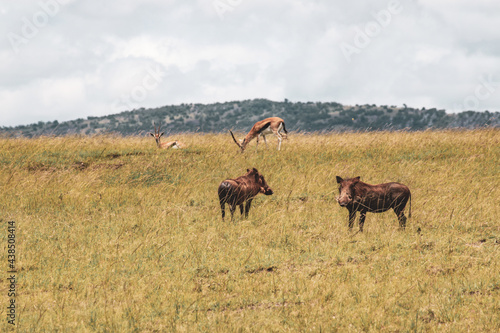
x=400 y=213
x=402 y=220
x=241 y=209
x=247 y=207
x=223 y=209
x=362 y=216
x=232 y=208
x=352 y=217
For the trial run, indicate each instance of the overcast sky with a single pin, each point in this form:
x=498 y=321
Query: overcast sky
x=69 y=59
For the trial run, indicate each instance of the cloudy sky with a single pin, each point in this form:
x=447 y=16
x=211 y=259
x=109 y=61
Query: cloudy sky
x=69 y=59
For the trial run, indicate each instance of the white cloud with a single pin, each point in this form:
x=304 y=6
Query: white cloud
x=87 y=56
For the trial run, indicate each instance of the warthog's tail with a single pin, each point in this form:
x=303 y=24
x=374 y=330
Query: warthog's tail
x=224 y=192
x=409 y=212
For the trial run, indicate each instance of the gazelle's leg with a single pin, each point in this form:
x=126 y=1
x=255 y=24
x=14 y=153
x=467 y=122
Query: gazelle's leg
x=265 y=141
x=283 y=135
x=278 y=135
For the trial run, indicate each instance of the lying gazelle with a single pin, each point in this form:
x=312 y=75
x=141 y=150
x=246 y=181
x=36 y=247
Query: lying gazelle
x=272 y=125
x=165 y=145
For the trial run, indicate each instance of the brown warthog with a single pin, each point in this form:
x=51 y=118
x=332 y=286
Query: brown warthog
x=236 y=191
x=358 y=196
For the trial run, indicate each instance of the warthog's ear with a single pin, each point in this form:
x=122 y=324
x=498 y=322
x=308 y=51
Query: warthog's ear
x=253 y=170
x=356 y=179
x=339 y=180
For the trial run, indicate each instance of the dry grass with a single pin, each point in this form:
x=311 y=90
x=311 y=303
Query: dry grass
x=115 y=235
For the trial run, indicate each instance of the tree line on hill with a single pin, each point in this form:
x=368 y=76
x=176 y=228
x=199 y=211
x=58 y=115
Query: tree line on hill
x=241 y=115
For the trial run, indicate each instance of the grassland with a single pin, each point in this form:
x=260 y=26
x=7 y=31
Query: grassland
x=116 y=235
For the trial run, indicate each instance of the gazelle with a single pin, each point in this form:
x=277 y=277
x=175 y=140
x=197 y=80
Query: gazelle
x=165 y=145
x=273 y=125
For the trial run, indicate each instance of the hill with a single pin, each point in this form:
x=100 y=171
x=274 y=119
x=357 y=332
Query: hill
x=241 y=115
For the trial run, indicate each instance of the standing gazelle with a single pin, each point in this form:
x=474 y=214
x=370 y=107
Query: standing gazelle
x=165 y=145
x=272 y=125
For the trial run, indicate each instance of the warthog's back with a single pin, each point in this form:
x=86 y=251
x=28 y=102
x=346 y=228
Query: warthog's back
x=231 y=192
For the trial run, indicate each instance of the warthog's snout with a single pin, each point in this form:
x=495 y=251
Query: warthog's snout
x=268 y=192
x=342 y=201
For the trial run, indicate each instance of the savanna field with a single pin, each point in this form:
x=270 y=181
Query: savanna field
x=115 y=235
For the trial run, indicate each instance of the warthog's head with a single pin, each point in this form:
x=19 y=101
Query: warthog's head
x=346 y=190
x=259 y=179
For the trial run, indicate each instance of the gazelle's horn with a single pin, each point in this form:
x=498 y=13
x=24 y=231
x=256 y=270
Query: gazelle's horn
x=154 y=123
x=234 y=138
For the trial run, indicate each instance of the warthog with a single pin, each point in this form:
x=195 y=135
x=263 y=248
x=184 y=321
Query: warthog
x=235 y=192
x=358 y=196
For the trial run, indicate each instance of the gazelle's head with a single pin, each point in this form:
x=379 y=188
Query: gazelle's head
x=157 y=135
x=242 y=144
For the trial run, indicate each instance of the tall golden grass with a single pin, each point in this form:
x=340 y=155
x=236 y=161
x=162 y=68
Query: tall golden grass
x=116 y=235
